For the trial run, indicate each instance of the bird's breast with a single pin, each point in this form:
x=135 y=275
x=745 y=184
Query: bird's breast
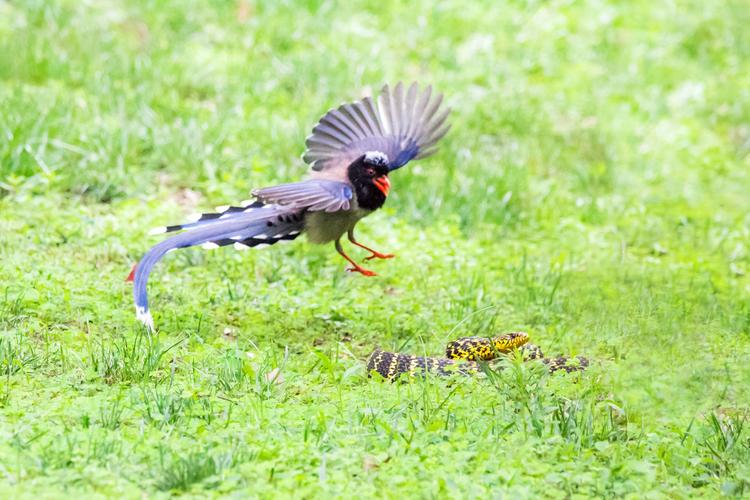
x=322 y=227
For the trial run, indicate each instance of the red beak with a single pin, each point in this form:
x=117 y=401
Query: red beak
x=383 y=183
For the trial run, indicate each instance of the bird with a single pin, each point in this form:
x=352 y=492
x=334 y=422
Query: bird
x=351 y=152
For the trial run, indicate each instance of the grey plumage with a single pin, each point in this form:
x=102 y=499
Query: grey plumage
x=404 y=126
x=313 y=195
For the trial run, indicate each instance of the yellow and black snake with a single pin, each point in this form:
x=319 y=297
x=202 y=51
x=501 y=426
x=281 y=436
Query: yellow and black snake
x=463 y=356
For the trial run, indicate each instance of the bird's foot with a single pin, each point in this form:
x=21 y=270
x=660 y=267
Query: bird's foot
x=361 y=270
x=378 y=255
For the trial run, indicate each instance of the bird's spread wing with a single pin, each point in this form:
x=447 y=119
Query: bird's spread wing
x=403 y=124
x=315 y=195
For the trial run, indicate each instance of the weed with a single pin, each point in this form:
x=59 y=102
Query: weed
x=128 y=360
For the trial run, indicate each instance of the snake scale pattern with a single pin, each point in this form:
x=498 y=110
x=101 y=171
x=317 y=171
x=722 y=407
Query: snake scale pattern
x=463 y=356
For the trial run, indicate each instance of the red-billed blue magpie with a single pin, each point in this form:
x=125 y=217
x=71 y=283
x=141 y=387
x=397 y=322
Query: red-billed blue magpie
x=351 y=151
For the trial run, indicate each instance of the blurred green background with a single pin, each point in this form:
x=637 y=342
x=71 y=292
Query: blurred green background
x=593 y=191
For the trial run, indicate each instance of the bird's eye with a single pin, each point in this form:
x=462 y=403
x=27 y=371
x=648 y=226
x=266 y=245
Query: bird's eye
x=370 y=171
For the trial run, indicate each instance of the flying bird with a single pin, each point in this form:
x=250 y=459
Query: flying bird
x=351 y=151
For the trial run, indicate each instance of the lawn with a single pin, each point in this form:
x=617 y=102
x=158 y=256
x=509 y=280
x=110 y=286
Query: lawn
x=593 y=191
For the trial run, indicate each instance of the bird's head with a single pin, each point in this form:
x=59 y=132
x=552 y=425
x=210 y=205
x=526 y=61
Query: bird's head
x=369 y=176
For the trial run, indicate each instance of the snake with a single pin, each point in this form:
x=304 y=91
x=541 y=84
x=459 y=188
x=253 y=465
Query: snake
x=465 y=355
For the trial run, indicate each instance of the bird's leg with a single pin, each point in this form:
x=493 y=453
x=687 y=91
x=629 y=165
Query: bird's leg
x=355 y=267
x=375 y=254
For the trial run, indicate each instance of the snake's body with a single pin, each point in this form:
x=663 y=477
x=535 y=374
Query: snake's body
x=463 y=356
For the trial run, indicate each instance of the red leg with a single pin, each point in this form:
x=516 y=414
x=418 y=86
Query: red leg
x=355 y=267
x=375 y=254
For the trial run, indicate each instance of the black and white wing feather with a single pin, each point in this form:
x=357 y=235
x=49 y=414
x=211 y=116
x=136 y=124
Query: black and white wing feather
x=403 y=124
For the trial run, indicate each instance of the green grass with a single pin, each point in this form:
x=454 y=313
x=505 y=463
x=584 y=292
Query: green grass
x=593 y=191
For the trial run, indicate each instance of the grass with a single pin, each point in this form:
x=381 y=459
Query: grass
x=593 y=191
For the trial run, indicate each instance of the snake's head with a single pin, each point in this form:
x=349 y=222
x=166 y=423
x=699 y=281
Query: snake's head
x=509 y=341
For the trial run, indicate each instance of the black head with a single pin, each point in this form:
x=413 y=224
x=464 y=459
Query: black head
x=369 y=176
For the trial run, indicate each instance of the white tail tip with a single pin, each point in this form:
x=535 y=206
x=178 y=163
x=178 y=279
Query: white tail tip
x=144 y=317
x=158 y=230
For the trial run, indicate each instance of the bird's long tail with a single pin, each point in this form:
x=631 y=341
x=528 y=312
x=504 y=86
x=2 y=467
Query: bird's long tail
x=257 y=225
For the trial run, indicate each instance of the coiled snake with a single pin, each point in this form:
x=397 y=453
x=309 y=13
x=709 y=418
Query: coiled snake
x=463 y=356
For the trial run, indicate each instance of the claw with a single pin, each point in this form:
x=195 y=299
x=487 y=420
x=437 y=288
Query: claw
x=375 y=253
x=361 y=270
x=356 y=268
x=378 y=255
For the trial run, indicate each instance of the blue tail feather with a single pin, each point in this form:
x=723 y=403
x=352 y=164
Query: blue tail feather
x=268 y=224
